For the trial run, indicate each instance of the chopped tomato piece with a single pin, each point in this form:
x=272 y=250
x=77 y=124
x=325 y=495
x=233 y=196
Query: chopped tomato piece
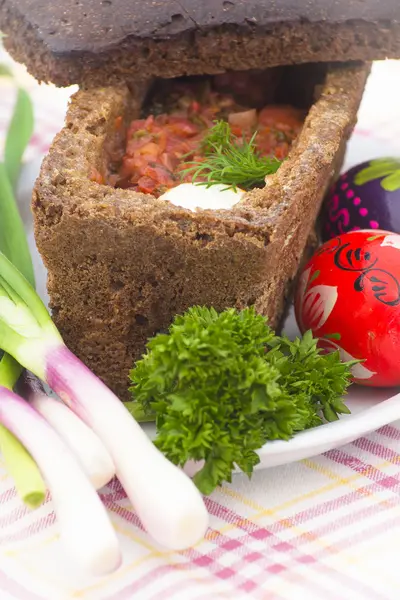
x=281 y=115
x=169 y=161
x=236 y=130
x=195 y=106
x=146 y=185
x=160 y=174
x=96 y=176
x=182 y=128
x=131 y=166
x=150 y=148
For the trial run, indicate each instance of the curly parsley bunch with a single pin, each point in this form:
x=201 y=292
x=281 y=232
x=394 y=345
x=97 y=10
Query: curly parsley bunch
x=222 y=384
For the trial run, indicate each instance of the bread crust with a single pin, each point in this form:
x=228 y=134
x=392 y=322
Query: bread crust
x=102 y=42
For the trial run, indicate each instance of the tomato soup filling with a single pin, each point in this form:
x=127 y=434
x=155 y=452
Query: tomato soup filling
x=168 y=137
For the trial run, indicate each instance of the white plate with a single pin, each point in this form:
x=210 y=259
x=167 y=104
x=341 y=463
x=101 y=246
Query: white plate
x=370 y=408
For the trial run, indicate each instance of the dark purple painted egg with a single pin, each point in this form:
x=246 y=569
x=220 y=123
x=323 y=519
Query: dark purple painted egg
x=365 y=197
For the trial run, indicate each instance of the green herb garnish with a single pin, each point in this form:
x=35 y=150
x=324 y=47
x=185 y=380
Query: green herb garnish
x=231 y=161
x=220 y=385
x=313 y=379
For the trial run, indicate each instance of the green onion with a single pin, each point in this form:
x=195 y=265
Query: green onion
x=29 y=335
x=19 y=133
x=19 y=463
x=13 y=242
x=5 y=70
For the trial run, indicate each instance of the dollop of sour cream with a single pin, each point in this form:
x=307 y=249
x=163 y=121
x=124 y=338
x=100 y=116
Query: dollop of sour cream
x=193 y=197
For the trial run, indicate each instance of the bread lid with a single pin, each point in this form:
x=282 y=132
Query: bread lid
x=98 y=42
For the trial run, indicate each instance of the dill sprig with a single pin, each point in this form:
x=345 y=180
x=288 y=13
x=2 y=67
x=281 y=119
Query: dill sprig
x=231 y=161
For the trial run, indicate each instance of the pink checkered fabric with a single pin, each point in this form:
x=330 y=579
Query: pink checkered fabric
x=323 y=528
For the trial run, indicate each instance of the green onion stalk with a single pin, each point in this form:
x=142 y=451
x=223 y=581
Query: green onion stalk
x=18 y=462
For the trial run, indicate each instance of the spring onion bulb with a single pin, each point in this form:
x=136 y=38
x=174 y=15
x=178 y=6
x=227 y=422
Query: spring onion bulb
x=84 y=524
x=81 y=440
x=166 y=500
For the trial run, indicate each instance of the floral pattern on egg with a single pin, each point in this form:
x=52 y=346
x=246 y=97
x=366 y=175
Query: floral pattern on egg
x=365 y=197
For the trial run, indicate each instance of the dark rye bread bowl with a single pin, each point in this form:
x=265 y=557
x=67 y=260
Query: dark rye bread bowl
x=98 y=42
x=122 y=264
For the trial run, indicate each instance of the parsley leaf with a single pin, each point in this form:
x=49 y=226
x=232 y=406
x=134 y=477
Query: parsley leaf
x=315 y=380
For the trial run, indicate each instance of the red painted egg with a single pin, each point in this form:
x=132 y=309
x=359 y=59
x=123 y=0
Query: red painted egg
x=349 y=296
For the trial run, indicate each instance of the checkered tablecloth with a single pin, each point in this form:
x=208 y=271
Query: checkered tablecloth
x=326 y=528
